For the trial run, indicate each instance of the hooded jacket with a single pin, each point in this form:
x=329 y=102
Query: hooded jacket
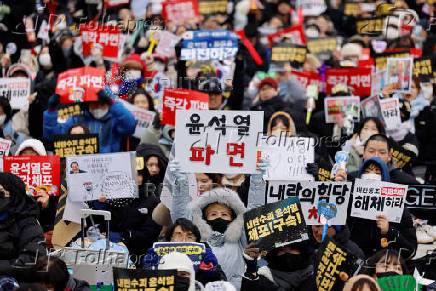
x=180 y=262
x=291 y=128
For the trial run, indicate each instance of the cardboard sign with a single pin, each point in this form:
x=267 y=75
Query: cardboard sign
x=295 y=33
x=80 y=85
x=276 y=224
x=207 y=7
x=182 y=99
x=310 y=193
x=282 y=53
x=194 y=251
x=311 y=7
x=167 y=43
x=107 y=36
x=180 y=11
x=372 y=26
x=421 y=197
x=67 y=110
x=371 y=198
x=75 y=144
x=370 y=107
x=357 y=78
x=110 y=175
x=5 y=145
x=217 y=141
x=306 y=78
x=339 y=107
x=399 y=74
x=423 y=69
x=115 y=3
x=287 y=156
x=139 y=279
x=325 y=45
x=143 y=118
x=333 y=262
x=16 y=90
x=39 y=173
x=400 y=155
x=209 y=45
x=381 y=59
x=390 y=109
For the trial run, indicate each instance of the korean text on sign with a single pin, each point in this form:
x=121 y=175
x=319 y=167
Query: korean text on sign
x=144 y=280
x=16 y=90
x=357 y=78
x=108 y=37
x=75 y=144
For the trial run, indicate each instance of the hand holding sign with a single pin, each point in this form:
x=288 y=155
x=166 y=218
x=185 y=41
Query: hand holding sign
x=382 y=223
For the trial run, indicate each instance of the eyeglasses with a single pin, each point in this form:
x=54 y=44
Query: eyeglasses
x=183 y=237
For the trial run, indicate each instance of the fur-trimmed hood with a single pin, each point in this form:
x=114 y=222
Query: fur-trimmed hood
x=224 y=196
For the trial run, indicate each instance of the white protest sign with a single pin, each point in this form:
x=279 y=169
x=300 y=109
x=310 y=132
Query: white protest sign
x=5 y=145
x=287 y=156
x=16 y=90
x=217 y=141
x=167 y=43
x=390 y=109
x=143 y=118
x=110 y=175
x=372 y=198
x=310 y=193
x=311 y=7
x=399 y=74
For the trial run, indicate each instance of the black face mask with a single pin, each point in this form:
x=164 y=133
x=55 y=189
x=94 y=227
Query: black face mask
x=4 y=203
x=287 y=262
x=219 y=224
x=386 y=274
x=182 y=284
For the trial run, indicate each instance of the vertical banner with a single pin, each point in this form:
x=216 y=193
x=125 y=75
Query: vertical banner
x=207 y=45
x=338 y=107
x=16 y=90
x=109 y=37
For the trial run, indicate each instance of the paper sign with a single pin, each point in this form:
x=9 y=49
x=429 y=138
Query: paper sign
x=372 y=198
x=325 y=45
x=131 y=279
x=295 y=33
x=115 y=3
x=180 y=11
x=107 y=36
x=372 y=26
x=111 y=175
x=39 y=173
x=382 y=58
x=310 y=193
x=209 y=45
x=206 y=7
x=217 y=141
x=16 y=90
x=75 y=144
x=378 y=81
x=370 y=107
x=282 y=53
x=80 y=85
x=195 y=251
x=311 y=7
x=399 y=74
x=423 y=69
x=166 y=44
x=306 y=78
x=390 y=109
x=67 y=110
x=143 y=118
x=421 y=196
x=182 y=99
x=336 y=107
x=357 y=78
x=5 y=145
x=276 y=224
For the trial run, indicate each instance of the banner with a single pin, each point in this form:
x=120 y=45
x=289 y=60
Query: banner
x=372 y=198
x=311 y=7
x=193 y=250
x=206 y=7
x=310 y=193
x=372 y=26
x=111 y=175
x=5 y=146
x=276 y=224
x=339 y=107
x=143 y=118
x=282 y=53
x=182 y=99
x=399 y=74
x=390 y=109
x=400 y=155
x=217 y=141
x=67 y=110
x=423 y=69
x=357 y=78
x=75 y=144
x=108 y=37
x=115 y=3
x=139 y=279
x=421 y=196
x=306 y=78
x=295 y=33
x=167 y=43
x=80 y=85
x=16 y=90
x=322 y=46
x=207 y=45
x=39 y=173
x=180 y=11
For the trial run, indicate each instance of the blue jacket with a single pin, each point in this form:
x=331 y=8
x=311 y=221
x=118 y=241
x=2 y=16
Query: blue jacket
x=117 y=123
x=383 y=166
x=10 y=134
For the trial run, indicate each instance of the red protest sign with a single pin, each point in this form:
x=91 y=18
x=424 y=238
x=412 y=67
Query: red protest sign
x=39 y=173
x=357 y=78
x=115 y=3
x=183 y=99
x=108 y=37
x=305 y=78
x=80 y=85
x=295 y=33
x=180 y=11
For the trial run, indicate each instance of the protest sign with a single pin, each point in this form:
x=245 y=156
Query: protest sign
x=209 y=45
x=282 y=53
x=143 y=118
x=67 y=110
x=80 y=85
x=16 y=90
x=294 y=33
x=400 y=282
x=75 y=144
x=310 y=193
x=357 y=78
x=400 y=155
x=324 y=171
x=306 y=78
x=115 y=3
x=276 y=224
x=334 y=265
x=287 y=156
x=111 y=175
x=339 y=107
x=167 y=43
x=180 y=11
x=207 y=7
x=311 y=7
x=193 y=250
x=423 y=69
x=217 y=141
x=372 y=198
x=5 y=145
x=182 y=99
x=370 y=107
x=322 y=46
x=381 y=59
x=370 y=26
x=378 y=81
x=139 y=279
x=399 y=74
x=39 y=173
x=390 y=109
x=421 y=197
x=108 y=37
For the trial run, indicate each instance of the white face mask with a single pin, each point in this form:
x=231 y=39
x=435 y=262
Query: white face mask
x=312 y=33
x=132 y=75
x=160 y=67
x=45 y=60
x=2 y=119
x=99 y=113
x=427 y=91
x=371 y=176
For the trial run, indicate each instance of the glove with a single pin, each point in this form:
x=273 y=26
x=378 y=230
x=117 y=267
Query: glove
x=312 y=168
x=209 y=263
x=262 y=167
x=174 y=167
x=53 y=102
x=150 y=260
x=105 y=96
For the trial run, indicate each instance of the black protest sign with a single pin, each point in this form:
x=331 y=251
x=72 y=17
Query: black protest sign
x=208 y=7
x=275 y=224
x=139 y=279
x=282 y=53
x=75 y=144
x=381 y=59
x=421 y=197
x=324 y=171
x=400 y=155
x=370 y=26
x=334 y=265
x=67 y=110
x=325 y=45
x=423 y=69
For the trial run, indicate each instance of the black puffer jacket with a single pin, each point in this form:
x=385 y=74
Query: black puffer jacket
x=21 y=236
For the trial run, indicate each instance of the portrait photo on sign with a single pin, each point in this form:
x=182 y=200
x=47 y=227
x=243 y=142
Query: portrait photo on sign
x=399 y=74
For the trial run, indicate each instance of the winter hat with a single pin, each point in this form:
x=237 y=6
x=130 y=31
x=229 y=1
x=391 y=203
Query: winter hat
x=219 y=285
x=269 y=81
x=135 y=62
x=34 y=144
x=364 y=279
x=179 y=262
x=351 y=49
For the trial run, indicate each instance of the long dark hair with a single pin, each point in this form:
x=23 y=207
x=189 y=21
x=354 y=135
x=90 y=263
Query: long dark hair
x=378 y=124
x=390 y=255
x=138 y=91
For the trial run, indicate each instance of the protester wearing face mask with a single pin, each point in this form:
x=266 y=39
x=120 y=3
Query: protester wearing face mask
x=134 y=70
x=61 y=52
x=385 y=263
x=97 y=58
x=106 y=117
x=7 y=131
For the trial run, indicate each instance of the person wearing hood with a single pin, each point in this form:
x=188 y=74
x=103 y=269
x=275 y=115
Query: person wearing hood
x=106 y=117
x=21 y=237
x=155 y=165
x=62 y=53
x=370 y=235
x=7 y=130
x=281 y=122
